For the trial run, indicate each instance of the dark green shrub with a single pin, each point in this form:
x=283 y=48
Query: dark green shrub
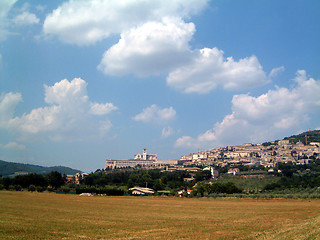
x=32 y=188
x=17 y=188
x=65 y=189
x=40 y=189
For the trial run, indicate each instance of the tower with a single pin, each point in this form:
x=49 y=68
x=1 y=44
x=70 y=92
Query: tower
x=144 y=155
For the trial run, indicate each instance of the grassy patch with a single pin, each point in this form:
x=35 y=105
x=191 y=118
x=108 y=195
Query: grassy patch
x=248 y=183
x=27 y=215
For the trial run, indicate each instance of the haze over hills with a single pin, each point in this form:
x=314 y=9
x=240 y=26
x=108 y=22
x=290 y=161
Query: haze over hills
x=11 y=168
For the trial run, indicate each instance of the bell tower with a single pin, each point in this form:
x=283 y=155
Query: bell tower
x=144 y=155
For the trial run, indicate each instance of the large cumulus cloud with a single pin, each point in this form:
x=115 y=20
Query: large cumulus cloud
x=87 y=22
x=210 y=69
x=258 y=119
x=68 y=115
x=153 y=48
x=154 y=40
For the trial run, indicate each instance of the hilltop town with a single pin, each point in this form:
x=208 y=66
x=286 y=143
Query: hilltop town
x=251 y=154
x=299 y=149
x=266 y=155
x=292 y=163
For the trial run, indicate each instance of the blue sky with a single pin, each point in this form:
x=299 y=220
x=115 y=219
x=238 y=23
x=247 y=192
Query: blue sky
x=82 y=81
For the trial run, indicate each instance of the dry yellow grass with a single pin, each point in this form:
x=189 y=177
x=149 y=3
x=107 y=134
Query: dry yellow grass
x=49 y=216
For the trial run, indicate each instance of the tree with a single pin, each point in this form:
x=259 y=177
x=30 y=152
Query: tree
x=203 y=175
x=26 y=180
x=32 y=188
x=55 y=179
x=7 y=182
x=158 y=185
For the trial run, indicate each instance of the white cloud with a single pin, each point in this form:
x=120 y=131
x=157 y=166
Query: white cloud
x=8 y=103
x=86 y=22
x=102 y=108
x=13 y=145
x=162 y=47
x=208 y=136
x=40 y=8
x=22 y=19
x=202 y=141
x=256 y=119
x=67 y=93
x=149 y=49
x=167 y=132
x=5 y=7
x=275 y=71
x=26 y=18
x=153 y=40
x=155 y=114
x=185 y=141
x=69 y=113
x=209 y=69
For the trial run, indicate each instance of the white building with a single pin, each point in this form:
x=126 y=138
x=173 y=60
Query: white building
x=197 y=156
x=141 y=191
x=118 y=163
x=317 y=144
x=142 y=160
x=145 y=156
x=283 y=142
x=214 y=172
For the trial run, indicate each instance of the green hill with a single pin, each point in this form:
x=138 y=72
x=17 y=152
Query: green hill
x=311 y=136
x=11 y=168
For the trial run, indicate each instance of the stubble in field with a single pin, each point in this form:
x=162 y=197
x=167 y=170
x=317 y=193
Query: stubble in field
x=49 y=216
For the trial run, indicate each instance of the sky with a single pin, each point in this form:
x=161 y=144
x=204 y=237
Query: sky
x=84 y=81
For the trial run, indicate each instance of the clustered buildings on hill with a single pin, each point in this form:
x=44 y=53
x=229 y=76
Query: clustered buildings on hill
x=247 y=154
x=267 y=155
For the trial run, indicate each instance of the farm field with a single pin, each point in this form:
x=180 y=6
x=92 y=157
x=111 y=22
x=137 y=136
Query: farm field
x=25 y=215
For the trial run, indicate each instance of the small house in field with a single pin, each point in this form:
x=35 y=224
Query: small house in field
x=140 y=191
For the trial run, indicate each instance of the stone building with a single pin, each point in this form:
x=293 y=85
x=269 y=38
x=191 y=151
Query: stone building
x=142 y=160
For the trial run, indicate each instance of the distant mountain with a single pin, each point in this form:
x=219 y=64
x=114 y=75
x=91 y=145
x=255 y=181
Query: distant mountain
x=11 y=168
x=310 y=136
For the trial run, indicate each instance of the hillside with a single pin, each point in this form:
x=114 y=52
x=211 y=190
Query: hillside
x=10 y=168
x=312 y=136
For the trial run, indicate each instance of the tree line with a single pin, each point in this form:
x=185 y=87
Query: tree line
x=295 y=176
x=33 y=181
x=155 y=178
x=291 y=177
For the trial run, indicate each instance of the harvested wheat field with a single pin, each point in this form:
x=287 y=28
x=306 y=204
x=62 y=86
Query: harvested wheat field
x=27 y=215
